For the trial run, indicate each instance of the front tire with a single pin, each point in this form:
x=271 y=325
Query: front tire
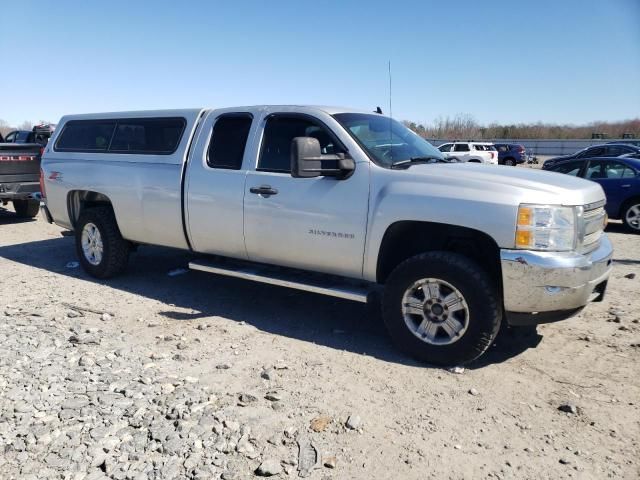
x=441 y=308
x=102 y=251
x=631 y=216
x=510 y=162
x=26 y=208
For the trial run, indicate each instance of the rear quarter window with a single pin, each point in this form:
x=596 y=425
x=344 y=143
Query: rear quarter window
x=154 y=135
x=86 y=136
x=159 y=136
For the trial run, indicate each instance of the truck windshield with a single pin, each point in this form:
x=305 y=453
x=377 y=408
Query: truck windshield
x=385 y=140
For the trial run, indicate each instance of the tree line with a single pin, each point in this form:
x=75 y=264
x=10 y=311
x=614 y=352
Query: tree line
x=464 y=127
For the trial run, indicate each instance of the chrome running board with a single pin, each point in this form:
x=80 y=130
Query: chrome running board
x=296 y=279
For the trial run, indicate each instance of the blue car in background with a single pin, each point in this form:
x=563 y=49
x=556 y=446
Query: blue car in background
x=511 y=154
x=619 y=178
x=606 y=150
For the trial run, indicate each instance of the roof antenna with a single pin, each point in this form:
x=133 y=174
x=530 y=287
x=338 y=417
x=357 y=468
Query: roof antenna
x=390 y=110
x=390 y=114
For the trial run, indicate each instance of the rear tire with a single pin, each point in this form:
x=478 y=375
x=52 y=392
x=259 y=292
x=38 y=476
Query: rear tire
x=468 y=302
x=102 y=251
x=26 y=208
x=509 y=162
x=631 y=216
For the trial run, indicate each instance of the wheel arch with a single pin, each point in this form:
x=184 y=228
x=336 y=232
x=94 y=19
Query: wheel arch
x=405 y=239
x=79 y=200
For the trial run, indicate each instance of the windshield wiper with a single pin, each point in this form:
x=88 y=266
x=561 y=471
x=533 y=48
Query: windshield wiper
x=414 y=160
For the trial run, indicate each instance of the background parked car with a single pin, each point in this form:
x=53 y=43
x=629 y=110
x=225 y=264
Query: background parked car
x=606 y=150
x=620 y=180
x=39 y=134
x=511 y=154
x=478 y=152
x=630 y=141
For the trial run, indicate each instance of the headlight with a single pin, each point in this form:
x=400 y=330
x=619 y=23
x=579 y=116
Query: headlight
x=546 y=227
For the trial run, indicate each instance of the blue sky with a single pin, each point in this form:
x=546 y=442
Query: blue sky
x=571 y=61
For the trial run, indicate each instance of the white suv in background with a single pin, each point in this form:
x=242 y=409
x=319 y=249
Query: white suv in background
x=478 y=152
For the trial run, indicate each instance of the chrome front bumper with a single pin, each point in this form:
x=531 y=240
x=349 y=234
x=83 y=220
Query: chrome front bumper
x=544 y=282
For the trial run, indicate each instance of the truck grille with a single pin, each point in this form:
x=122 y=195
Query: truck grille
x=591 y=227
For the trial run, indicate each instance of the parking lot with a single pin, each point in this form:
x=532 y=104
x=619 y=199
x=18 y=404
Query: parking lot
x=161 y=374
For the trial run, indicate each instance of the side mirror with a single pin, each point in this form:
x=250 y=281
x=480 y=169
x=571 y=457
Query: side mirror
x=307 y=160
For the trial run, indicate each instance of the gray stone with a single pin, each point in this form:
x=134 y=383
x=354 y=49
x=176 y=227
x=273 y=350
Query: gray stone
x=273 y=396
x=84 y=339
x=269 y=467
x=246 y=398
x=22 y=407
x=86 y=361
x=568 y=408
x=354 y=422
x=308 y=457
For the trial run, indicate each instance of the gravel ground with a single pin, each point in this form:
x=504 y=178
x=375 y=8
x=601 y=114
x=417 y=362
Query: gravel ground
x=189 y=375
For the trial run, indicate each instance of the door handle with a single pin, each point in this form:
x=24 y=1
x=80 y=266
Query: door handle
x=264 y=190
x=625 y=186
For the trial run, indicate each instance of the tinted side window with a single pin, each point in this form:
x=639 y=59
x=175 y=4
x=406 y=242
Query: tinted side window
x=595 y=170
x=614 y=170
x=11 y=137
x=276 y=141
x=461 y=147
x=615 y=151
x=22 y=137
x=571 y=168
x=595 y=152
x=86 y=135
x=445 y=148
x=148 y=135
x=228 y=141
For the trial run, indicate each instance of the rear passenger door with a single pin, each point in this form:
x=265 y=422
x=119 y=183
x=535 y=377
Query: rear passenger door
x=616 y=180
x=215 y=184
x=461 y=151
x=308 y=223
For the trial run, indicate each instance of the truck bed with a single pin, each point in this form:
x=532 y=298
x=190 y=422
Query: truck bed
x=19 y=170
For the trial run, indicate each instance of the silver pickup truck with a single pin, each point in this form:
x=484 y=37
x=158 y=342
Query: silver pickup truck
x=338 y=202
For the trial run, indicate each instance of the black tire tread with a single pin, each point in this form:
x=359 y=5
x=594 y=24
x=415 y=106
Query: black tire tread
x=26 y=208
x=116 y=248
x=477 y=276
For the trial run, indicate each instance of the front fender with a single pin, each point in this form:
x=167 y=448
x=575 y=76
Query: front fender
x=410 y=199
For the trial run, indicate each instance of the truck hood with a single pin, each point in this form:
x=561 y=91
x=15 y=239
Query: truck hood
x=524 y=185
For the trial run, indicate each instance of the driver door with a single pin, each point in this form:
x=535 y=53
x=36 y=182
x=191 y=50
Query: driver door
x=308 y=223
